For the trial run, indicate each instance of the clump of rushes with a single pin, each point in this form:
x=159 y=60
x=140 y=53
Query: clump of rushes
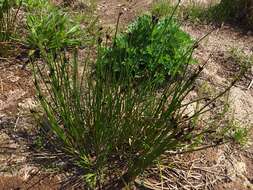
x=107 y=126
x=50 y=29
x=151 y=48
x=8 y=16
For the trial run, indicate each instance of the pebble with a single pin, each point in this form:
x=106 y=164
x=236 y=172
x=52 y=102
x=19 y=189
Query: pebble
x=249 y=33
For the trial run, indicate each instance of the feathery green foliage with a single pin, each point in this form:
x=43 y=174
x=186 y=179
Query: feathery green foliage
x=151 y=48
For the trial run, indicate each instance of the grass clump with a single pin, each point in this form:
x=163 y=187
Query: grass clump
x=9 y=10
x=110 y=129
x=162 y=8
x=51 y=29
x=192 y=11
x=106 y=127
x=32 y=6
x=241 y=58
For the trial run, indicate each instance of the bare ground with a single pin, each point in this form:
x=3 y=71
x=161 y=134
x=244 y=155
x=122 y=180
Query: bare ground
x=17 y=98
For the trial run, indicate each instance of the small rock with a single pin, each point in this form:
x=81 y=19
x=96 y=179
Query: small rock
x=249 y=33
x=27 y=104
x=27 y=171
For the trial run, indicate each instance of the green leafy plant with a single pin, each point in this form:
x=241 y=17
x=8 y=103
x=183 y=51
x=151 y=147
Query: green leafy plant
x=151 y=48
x=51 y=29
x=9 y=10
x=240 y=133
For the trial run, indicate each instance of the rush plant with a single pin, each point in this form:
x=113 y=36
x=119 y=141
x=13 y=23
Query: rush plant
x=107 y=126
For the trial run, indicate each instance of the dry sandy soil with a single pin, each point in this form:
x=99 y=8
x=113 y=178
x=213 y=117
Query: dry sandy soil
x=231 y=167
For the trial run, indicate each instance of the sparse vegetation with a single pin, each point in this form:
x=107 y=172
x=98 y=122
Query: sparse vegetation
x=162 y=8
x=231 y=11
x=9 y=10
x=234 y=11
x=35 y=6
x=193 y=12
x=241 y=58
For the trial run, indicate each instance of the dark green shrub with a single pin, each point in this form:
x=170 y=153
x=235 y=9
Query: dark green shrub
x=226 y=10
x=151 y=48
x=235 y=11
